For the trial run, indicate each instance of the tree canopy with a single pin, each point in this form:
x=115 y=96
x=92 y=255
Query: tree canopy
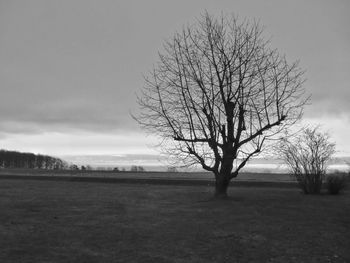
x=14 y=159
x=218 y=93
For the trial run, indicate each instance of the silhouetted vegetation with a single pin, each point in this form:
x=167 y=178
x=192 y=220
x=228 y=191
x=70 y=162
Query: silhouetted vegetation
x=14 y=159
x=73 y=167
x=307 y=156
x=135 y=168
x=218 y=93
x=336 y=183
x=172 y=169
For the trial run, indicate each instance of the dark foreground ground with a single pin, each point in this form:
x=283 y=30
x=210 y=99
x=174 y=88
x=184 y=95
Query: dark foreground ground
x=61 y=221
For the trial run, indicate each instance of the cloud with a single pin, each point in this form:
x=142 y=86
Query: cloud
x=80 y=143
x=71 y=68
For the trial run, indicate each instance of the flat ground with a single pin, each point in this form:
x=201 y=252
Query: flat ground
x=265 y=177
x=59 y=221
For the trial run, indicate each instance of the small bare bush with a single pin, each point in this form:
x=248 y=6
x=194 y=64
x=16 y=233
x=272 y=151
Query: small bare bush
x=307 y=155
x=336 y=183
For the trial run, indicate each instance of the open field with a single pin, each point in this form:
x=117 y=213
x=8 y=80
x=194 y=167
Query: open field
x=59 y=221
x=260 y=177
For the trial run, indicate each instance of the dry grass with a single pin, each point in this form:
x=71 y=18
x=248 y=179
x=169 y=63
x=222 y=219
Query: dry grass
x=57 y=221
x=266 y=177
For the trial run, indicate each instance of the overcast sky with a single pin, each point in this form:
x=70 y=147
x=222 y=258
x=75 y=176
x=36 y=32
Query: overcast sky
x=69 y=69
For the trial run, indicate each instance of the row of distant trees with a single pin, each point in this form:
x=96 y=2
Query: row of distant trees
x=14 y=159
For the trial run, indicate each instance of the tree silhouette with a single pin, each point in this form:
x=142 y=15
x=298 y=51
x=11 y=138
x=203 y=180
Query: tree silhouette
x=218 y=93
x=307 y=155
x=14 y=159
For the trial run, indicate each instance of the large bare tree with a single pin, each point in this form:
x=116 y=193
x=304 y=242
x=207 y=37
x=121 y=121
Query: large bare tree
x=218 y=93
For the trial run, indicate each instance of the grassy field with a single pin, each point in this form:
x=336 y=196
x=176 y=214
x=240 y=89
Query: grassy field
x=266 y=177
x=59 y=221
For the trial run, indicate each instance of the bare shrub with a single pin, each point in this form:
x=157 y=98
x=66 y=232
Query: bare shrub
x=336 y=183
x=307 y=155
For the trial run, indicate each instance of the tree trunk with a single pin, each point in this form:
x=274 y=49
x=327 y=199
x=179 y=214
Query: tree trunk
x=221 y=185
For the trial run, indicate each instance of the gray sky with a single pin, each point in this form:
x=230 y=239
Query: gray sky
x=69 y=69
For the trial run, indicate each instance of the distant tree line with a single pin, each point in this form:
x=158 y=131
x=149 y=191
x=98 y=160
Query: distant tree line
x=14 y=159
x=135 y=168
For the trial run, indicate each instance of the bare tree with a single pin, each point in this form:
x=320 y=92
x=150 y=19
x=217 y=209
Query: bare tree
x=135 y=168
x=307 y=155
x=218 y=93
x=172 y=169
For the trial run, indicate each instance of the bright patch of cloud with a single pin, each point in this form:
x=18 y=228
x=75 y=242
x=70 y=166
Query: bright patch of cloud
x=83 y=143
